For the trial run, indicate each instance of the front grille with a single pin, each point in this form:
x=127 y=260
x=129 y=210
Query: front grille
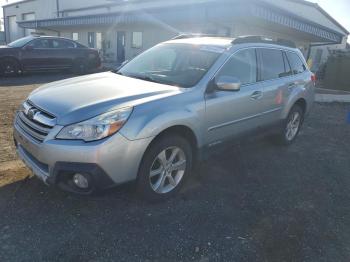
x=34 y=122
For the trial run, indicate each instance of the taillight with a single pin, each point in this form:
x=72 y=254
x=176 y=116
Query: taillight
x=313 y=78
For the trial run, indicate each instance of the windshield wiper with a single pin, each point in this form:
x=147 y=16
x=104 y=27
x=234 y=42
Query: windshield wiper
x=143 y=77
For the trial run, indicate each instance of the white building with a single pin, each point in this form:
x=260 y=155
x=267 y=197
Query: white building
x=123 y=29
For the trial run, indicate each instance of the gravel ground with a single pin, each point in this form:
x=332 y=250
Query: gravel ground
x=254 y=202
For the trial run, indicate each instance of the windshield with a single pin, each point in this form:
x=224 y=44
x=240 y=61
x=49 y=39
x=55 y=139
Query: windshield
x=180 y=65
x=21 y=42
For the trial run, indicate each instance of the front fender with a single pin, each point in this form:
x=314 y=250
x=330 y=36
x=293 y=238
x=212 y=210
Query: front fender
x=151 y=123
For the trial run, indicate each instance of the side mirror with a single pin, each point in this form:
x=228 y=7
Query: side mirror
x=28 y=48
x=228 y=83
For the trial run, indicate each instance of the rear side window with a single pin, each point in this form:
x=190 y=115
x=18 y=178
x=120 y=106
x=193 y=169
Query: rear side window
x=289 y=71
x=242 y=65
x=296 y=63
x=57 y=43
x=272 y=64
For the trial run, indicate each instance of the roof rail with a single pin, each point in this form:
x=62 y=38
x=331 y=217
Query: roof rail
x=263 y=39
x=190 y=35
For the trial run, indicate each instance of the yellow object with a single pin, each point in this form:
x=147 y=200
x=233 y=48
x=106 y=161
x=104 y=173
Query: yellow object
x=309 y=63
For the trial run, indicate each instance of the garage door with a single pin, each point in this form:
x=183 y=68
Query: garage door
x=28 y=17
x=13 y=28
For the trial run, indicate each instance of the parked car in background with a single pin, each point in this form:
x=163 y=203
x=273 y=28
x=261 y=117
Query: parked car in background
x=42 y=53
x=169 y=107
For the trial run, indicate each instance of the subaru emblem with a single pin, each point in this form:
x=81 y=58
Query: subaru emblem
x=31 y=113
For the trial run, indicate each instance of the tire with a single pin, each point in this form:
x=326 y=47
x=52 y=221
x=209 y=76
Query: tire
x=9 y=67
x=291 y=126
x=80 y=67
x=159 y=179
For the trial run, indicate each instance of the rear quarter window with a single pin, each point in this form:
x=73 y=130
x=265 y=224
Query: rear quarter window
x=296 y=63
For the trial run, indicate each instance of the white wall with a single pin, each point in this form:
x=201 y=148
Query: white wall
x=309 y=12
x=41 y=9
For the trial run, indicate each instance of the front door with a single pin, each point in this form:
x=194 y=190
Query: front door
x=120 y=46
x=229 y=113
x=38 y=55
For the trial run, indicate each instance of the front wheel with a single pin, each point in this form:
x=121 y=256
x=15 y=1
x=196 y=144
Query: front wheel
x=9 y=67
x=164 y=168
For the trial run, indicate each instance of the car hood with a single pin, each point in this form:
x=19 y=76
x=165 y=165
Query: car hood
x=77 y=99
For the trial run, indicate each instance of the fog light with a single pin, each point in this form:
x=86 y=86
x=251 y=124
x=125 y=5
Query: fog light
x=80 y=181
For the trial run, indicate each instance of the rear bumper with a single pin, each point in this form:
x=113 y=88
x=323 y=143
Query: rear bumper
x=107 y=163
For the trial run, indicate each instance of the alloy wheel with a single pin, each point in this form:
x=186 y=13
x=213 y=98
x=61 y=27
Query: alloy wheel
x=293 y=126
x=167 y=170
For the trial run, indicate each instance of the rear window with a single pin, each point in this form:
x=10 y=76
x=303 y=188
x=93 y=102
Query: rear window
x=272 y=64
x=296 y=63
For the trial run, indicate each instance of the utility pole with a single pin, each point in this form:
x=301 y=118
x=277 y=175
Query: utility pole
x=58 y=7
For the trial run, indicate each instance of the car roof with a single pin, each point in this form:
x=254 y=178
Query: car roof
x=222 y=42
x=49 y=36
x=226 y=42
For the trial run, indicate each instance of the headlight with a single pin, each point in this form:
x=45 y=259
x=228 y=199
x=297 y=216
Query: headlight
x=98 y=127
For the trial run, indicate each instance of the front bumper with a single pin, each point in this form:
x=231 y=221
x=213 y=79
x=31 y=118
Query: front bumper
x=108 y=162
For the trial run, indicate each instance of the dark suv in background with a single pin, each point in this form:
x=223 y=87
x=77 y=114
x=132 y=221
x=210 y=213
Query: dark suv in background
x=36 y=53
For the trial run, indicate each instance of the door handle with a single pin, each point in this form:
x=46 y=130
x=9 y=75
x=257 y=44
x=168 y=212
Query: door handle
x=291 y=86
x=256 y=95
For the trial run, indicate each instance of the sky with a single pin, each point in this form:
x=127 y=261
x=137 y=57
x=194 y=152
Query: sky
x=338 y=9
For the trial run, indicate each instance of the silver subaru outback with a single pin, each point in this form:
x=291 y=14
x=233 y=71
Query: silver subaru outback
x=155 y=117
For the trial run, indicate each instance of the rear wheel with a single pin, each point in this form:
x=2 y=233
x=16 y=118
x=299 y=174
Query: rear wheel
x=9 y=67
x=164 y=168
x=80 y=67
x=292 y=125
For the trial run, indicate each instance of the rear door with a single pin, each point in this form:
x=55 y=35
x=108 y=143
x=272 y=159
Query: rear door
x=229 y=113
x=274 y=79
x=63 y=53
x=298 y=71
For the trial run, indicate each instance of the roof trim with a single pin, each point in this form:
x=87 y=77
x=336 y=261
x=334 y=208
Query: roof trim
x=16 y=3
x=324 y=12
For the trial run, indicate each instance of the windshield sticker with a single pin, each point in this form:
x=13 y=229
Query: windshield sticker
x=213 y=49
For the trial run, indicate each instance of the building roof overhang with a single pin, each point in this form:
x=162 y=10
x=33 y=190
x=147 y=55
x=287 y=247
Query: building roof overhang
x=255 y=9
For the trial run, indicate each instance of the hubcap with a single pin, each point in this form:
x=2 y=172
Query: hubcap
x=9 y=69
x=293 y=126
x=167 y=170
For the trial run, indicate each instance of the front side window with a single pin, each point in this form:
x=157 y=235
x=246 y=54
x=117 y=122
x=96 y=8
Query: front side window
x=296 y=63
x=272 y=64
x=242 y=65
x=180 y=65
x=40 y=43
